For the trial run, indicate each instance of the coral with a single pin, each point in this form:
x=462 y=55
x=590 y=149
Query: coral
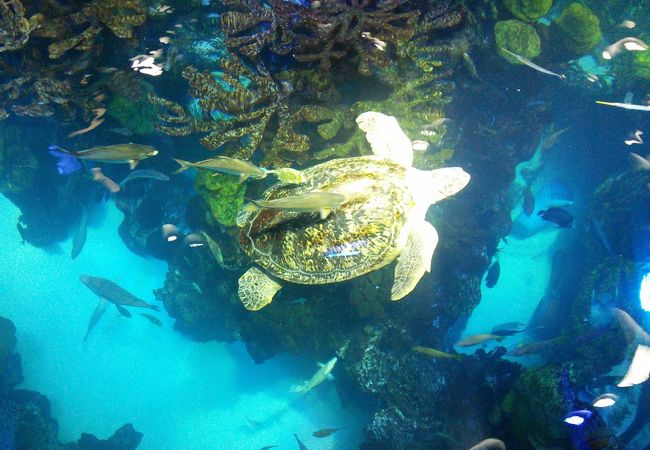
x=576 y=30
x=518 y=37
x=138 y=116
x=535 y=400
x=223 y=194
x=321 y=34
x=528 y=10
x=641 y=64
x=15 y=28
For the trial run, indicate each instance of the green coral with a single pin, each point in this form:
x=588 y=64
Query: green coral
x=517 y=37
x=532 y=403
x=528 y=10
x=641 y=64
x=577 y=30
x=138 y=116
x=223 y=195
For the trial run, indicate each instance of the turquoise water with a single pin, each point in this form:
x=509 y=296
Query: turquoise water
x=181 y=394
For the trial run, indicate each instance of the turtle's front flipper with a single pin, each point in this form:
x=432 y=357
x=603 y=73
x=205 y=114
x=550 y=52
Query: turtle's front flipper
x=415 y=258
x=256 y=290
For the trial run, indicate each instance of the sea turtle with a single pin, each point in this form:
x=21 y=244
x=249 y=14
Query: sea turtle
x=382 y=218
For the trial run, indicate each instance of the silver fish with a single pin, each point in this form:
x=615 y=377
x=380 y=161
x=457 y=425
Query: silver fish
x=322 y=202
x=79 y=238
x=625 y=105
x=119 y=153
x=628 y=43
x=144 y=173
x=532 y=65
x=113 y=293
x=223 y=164
x=99 y=311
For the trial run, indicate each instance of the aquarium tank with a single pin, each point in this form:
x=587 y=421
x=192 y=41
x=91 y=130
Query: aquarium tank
x=324 y=224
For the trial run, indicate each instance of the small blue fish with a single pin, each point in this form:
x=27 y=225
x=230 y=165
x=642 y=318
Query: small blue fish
x=66 y=163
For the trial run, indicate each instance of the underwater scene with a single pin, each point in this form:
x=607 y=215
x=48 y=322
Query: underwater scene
x=324 y=224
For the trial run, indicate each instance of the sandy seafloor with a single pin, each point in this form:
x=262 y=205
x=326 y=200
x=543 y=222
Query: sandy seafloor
x=181 y=394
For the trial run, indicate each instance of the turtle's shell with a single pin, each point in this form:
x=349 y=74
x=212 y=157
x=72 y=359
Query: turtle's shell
x=358 y=237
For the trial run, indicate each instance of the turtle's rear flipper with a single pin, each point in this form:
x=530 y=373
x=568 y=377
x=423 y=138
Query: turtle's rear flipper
x=256 y=290
x=415 y=259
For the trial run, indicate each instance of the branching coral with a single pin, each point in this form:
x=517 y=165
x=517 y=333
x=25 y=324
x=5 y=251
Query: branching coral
x=321 y=34
x=246 y=107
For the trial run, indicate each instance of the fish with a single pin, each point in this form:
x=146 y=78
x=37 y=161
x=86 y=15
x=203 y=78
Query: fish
x=325 y=432
x=420 y=146
x=639 y=162
x=147 y=66
x=631 y=106
x=493 y=273
x=94 y=123
x=99 y=311
x=170 y=232
x=122 y=310
x=628 y=43
x=471 y=67
x=267 y=447
x=509 y=329
x=627 y=24
x=322 y=202
x=530 y=348
x=118 y=153
x=143 y=174
x=243 y=169
x=635 y=138
x=322 y=374
x=559 y=216
x=529 y=202
x=477 y=339
x=436 y=123
x=639 y=370
x=433 y=353
x=634 y=333
x=551 y=139
x=490 y=444
x=115 y=294
x=110 y=185
x=194 y=240
x=301 y=446
x=66 y=164
x=151 y=318
x=559 y=203
x=288 y=175
x=605 y=401
x=214 y=248
x=578 y=417
x=532 y=65
x=79 y=238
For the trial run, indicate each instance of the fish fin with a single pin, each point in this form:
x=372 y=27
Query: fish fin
x=541 y=212
x=154 y=307
x=122 y=310
x=639 y=162
x=330 y=377
x=298 y=388
x=324 y=213
x=184 y=165
x=320 y=364
x=133 y=163
x=242 y=178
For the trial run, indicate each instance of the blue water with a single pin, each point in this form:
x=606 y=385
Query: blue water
x=179 y=393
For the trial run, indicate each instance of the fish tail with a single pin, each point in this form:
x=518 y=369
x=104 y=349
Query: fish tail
x=184 y=165
x=457 y=357
x=499 y=338
x=154 y=307
x=298 y=389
